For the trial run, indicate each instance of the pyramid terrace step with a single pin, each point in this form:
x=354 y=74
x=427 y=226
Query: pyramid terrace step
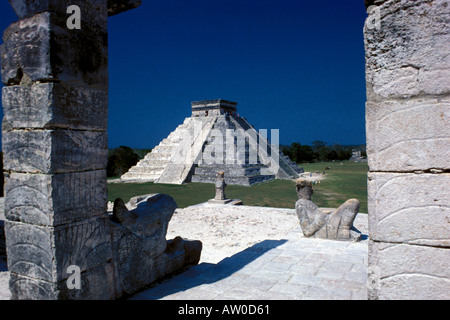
x=129 y=176
x=160 y=156
x=237 y=180
x=143 y=169
x=153 y=163
x=171 y=144
x=229 y=171
x=165 y=149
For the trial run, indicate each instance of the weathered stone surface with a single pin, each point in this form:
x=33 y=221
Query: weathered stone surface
x=119 y=6
x=407 y=114
x=316 y=223
x=146 y=216
x=54 y=151
x=2 y=238
x=204 y=174
x=213 y=107
x=404 y=57
x=42 y=48
x=96 y=284
x=138 y=237
x=25 y=288
x=220 y=186
x=192 y=251
x=45 y=253
x=93 y=12
x=369 y=3
x=140 y=250
x=53 y=105
x=402 y=271
x=187 y=142
x=51 y=200
x=180 y=253
x=220 y=197
x=398 y=214
x=408 y=135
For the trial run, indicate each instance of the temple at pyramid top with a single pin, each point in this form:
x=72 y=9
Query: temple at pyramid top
x=213 y=107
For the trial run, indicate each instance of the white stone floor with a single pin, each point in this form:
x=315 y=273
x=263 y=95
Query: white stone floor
x=293 y=268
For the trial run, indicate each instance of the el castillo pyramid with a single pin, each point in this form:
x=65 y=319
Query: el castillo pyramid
x=215 y=138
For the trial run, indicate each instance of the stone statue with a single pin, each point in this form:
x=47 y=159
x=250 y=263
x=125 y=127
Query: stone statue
x=220 y=197
x=141 y=252
x=220 y=186
x=316 y=223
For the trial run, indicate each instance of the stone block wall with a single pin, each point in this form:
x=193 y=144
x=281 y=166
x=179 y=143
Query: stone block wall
x=55 y=151
x=408 y=148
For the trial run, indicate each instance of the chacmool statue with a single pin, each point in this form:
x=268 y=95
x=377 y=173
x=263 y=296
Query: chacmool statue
x=316 y=223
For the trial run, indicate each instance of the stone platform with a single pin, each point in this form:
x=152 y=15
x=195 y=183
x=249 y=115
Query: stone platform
x=260 y=253
x=257 y=253
x=292 y=268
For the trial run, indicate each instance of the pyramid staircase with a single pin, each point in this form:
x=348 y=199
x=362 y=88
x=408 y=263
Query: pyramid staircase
x=291 y=163
x=159 y=163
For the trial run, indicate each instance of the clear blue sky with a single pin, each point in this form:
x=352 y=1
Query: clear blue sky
x=292 y=65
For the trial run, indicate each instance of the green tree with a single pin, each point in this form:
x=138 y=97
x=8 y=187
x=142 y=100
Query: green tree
x=300 y=153
x=342 y=152
x=120 y=160
x=331 y=155
x=295 y=153
x=320 y=149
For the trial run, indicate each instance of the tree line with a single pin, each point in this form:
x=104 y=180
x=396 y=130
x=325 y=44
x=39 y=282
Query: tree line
x=320 y=151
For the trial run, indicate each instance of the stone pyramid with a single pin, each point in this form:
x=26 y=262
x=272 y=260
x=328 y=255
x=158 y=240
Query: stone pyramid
x=215 y=138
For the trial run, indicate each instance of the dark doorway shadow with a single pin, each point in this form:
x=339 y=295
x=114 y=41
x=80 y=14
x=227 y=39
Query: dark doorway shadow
x=3 y=264
x=207 y=273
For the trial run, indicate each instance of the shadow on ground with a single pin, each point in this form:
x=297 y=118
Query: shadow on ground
x=207 y=273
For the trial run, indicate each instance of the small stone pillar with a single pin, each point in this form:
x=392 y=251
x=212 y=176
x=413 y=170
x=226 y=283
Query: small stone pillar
x=55 y=150
x=220 y=185
x=408 y=138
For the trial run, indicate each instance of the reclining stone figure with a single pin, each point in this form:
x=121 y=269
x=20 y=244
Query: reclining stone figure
x=315 y=223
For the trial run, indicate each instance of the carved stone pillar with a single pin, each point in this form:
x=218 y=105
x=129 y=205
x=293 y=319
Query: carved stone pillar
x=408 y=138
x=55 y=149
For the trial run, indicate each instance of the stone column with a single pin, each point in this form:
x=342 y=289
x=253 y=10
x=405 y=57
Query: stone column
x=408 y=148
x=55 y=150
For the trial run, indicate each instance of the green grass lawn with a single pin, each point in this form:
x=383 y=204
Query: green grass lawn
x=342 y=182
x=276 y=193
